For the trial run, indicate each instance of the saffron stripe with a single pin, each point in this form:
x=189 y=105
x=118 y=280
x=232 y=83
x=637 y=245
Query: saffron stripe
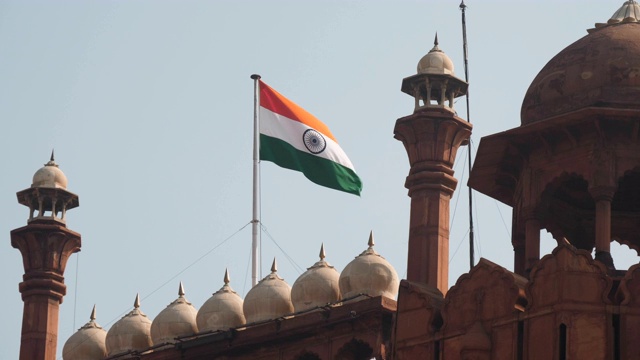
x=274 y=101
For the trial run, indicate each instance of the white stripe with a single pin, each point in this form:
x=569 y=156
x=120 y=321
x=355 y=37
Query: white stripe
x=291 y=131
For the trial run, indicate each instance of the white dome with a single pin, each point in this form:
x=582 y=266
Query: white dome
x=318 y=286
x=177 y=319
x=49 y=176
x=269 y=299
x=436 y=62
x=222 y=311
x=131 y=333
x=88 y=343
x=370 y=274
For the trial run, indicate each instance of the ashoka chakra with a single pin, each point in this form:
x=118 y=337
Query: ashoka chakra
x=314 y=141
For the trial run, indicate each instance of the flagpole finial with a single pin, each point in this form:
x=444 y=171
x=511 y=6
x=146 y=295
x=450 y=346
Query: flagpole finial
x=256 y=77
x=462 y=5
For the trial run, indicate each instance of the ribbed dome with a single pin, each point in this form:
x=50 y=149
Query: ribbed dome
x=131 y=333
x=222 y=311
x=88 y=343
x=435 y=62
x=317 y=286
x=601 y=70
x=369 y=273
x=269 y=299
x=49 y=176
x=177 y=319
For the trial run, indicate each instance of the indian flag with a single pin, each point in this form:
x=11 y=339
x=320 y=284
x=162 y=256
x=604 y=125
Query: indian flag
x=294 y=139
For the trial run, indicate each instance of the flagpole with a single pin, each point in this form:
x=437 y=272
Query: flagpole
x=255 y=221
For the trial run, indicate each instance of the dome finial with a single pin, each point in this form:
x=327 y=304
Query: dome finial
x=93 y=313
x=322 y=254
x=136 y=303
x=52 y=156
x=181 y=290
x=227 y=280
x=274 y=266
x=435 y=41
x=371 y=242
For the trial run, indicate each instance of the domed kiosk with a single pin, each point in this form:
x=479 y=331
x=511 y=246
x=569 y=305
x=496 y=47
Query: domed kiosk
x=131 y=333
x=269 y=299
x=573 y=165
x=177 y=319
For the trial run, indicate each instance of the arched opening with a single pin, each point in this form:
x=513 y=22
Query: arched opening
x=355 y=350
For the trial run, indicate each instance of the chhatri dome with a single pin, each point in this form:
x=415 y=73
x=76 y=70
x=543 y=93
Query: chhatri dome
x=269 y=299
x=49 y=176
x=88 y=343
x=436 y=62
x=177 y=319
x=222 y=311
x=131 y=333
x=600 y=71
x=318 y=286
x=370 y=274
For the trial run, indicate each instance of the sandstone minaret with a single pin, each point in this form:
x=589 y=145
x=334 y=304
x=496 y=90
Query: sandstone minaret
x=45 y=244
x=431 y=136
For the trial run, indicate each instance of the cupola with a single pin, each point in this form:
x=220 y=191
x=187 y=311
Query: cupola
x=435 y=85
x=269 y=299
x=177 y=319
x=131 y=333
x=48 y=198
x=369 y=274
x=88 y=343
x=222 y=311
x=318 y=286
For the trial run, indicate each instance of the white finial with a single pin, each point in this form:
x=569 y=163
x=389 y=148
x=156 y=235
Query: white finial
x=274 y=266
x=181 y=290
x=371 y=242
x=322 y=254
x=93 y=313
x=136 y=303
x=227 y=279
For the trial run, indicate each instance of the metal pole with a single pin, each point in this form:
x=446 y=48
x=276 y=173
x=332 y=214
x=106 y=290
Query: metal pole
x=463 y=8
x=255 y=220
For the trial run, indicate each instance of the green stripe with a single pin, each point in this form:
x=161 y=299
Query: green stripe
x=319 y=170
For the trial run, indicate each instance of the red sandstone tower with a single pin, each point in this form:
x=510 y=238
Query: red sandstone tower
x=431 y=136
x=45 y=244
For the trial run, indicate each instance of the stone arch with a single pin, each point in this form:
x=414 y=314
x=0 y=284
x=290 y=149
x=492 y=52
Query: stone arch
x=625 y=208
x=355 y=350
x=567 y=210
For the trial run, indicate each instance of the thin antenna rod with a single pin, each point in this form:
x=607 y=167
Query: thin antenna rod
x=463 y=8
x=255 y=220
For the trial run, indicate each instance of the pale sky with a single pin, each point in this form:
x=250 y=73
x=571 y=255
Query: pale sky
x=148 y=105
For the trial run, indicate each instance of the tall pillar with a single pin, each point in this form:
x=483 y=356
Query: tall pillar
x=45 y=244
x=603 y=197
x=431 y=136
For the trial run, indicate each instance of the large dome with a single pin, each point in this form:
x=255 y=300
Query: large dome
x=318 y=286
x=600 y=70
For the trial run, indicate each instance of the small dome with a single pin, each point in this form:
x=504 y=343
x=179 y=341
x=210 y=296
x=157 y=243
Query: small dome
x=317 y=286
x=49 y=176
x=436 y=62
x=88 y=343
x=222 y=311
x=131 y=333
x=370 y=274
x=177 y=319
x=269 y=299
